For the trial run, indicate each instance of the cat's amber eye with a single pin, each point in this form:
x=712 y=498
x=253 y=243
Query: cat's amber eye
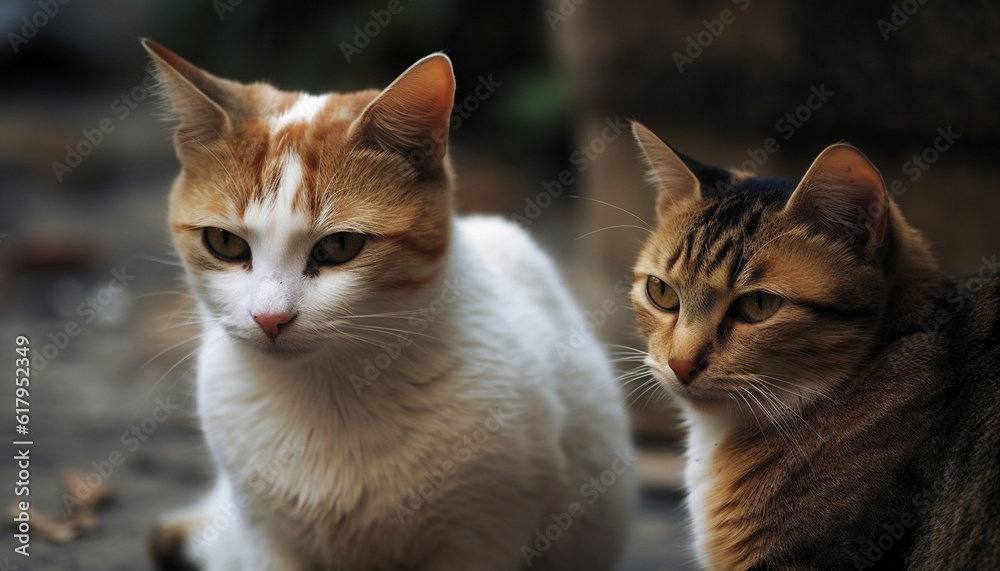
x=758 y=306
x=225 y=245
x=662 y=295
x=337 y=248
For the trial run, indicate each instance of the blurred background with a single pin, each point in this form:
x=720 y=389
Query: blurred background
x=86 y=165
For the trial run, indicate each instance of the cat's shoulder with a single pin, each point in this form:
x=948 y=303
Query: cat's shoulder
x=502 y=244
x=493 y=231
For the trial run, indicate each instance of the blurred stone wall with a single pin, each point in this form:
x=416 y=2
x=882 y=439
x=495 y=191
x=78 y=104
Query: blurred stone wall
x=717 y=79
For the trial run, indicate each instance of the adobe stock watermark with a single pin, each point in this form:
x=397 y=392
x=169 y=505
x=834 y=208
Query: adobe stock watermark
x=130 y=440
x=696 y=44
x=880 y=546
x=580 y=334
x=363 y=35
x=786 y=126
x=225 y=7
x=463 y=450
x=461 y=111
x=88 y=309
x=31 y=25
x=563 y=11
x=955 y=300
x=577 y=336
x=375 y=366
x=259 y=481
x=464 y=108
x=921 y=163
x=581 y=158
x=899 y=16
x=915 y=167
x=120 y=109
x=590 y=493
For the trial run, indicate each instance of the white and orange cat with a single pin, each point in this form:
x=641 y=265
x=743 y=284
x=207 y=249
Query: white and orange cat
x=378 y=381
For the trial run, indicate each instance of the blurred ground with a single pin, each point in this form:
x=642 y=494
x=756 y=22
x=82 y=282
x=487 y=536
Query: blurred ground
x=92 y=394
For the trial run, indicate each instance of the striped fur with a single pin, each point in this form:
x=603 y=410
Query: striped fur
x=866 y=405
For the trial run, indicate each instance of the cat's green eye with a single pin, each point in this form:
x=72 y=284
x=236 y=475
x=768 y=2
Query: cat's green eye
x=337 y=248
x=225 y=245
x=662 y=295
x=757 y=306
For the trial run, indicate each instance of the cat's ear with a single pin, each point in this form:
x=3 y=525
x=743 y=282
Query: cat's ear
x=411 y=116
x=201 y=101
x=673 y=179
x=843 y=195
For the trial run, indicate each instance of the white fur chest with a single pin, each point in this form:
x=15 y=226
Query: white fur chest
x=705 y=433
x=304 y=443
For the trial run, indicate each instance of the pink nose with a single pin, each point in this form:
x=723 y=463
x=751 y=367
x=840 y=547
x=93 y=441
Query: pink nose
x=686 y=371
x=273 y=323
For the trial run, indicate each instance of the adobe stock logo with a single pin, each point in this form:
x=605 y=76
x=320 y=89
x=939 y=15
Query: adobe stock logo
x=31 y=25
x=697 y=43
x=899 y=17
x=121 y=108
x=363 y=35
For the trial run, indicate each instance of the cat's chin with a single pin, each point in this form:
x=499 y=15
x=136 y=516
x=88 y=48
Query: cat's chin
x=692 y=397
x=274 y=350
x=285 y=352
x=700 y=402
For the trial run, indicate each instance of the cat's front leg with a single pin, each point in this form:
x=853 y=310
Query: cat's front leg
x=261 y=550
x=201 y=538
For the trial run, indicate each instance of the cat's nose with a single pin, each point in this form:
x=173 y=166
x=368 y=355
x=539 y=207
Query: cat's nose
x=273 y=323
x=685 y=370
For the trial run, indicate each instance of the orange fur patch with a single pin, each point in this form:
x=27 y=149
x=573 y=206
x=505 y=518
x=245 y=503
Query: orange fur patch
x=372 y=191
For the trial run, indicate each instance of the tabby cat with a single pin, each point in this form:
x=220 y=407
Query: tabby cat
x=378 y=380
x=842 y=394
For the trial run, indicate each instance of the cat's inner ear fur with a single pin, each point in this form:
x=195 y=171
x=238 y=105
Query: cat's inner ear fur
x=412 y=115
x=673 y=179
x=843 y=195
x=203 y=103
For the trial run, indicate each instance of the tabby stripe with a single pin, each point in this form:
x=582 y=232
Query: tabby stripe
x=735 y=269
x=700 y=250
x=673 y=259
x=719 y=256
x=707 y=216
x=705 y=243
x=689 y=243
x=753 y=222
x=732 y=210
x=736 y=214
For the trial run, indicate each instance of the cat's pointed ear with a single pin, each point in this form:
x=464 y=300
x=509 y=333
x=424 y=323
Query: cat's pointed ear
x=411 y=116
x=674 y=180
x=844 y=195
x=201 y=101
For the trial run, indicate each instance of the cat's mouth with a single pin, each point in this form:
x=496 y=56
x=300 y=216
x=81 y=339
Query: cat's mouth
x=694 y=394
x=280 y=348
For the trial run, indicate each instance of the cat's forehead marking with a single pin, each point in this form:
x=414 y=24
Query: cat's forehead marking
x=716 y=244
x=289 y=183
x=305 y=109
x=274 y=213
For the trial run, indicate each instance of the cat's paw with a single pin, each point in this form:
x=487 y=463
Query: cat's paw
x=168 y=541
